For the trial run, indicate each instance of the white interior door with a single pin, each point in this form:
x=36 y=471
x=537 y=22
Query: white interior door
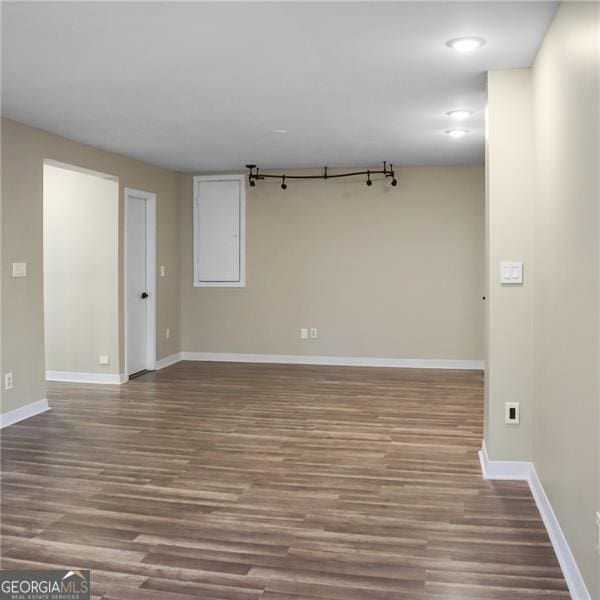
x=136 y=285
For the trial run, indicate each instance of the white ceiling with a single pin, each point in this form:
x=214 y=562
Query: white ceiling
x=202 y=86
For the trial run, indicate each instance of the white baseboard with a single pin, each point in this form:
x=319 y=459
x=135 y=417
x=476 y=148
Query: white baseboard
x=565 y=557
x=167 y=361
x=504 y=469
x=79 y=377
x=523 y=470
x=343 y=361
x=20 y=414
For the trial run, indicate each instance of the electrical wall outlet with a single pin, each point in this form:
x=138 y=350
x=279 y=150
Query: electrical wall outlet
x=162 y=270
x=511 y=413
x=8 y=381
x=304 y=333
x=314 y=334
x=19 y=269
x=103 y=359
x=168 y=333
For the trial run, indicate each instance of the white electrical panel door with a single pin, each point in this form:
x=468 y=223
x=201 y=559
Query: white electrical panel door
x=219 y=210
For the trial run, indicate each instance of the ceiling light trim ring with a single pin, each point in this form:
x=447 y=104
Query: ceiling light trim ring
x=459 y=114
x=457 y=133
x=466 y=43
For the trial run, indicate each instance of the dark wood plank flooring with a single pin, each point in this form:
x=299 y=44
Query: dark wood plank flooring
x=288 y=482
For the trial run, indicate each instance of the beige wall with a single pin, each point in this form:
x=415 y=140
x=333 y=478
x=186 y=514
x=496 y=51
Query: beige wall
x=509 y=236
x=311 y=249
x=81 y=271
x=567 y=277
x=558 y=100
x=23 y=152
x=380 y=271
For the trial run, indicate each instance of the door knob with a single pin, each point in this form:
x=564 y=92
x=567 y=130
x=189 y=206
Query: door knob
x=144 y=295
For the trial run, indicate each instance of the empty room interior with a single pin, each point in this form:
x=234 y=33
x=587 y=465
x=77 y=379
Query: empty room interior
x=300 y=300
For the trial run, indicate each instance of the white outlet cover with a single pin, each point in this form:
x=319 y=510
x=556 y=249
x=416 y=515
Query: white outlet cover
x=19 y=269
x=162 y=270
x=104 y=360
x=304 y=333
x=507 y=407
x=313 y=333
x=8 y=381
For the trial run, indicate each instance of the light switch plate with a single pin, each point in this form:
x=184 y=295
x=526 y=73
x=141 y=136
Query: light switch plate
x=162 y=270
x=19 y=269
x=304 y=333
x=104 y=360
x=511 y=272
x=313 y=333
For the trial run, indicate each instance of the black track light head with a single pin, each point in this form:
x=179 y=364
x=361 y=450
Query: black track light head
x=284 y=186
x=394 y=182
x=369 y=182
x=252 y=183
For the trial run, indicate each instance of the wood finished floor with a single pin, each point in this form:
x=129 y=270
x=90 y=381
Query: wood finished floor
x=247 y=482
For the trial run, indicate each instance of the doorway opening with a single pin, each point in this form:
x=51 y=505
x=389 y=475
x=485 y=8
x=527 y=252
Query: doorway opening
x=81 y=274
x=140 y=282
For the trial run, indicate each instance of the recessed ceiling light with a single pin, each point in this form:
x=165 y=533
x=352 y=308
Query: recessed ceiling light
x=466 y=44
x=457 y=133
x=280 y=131
x=460 y=115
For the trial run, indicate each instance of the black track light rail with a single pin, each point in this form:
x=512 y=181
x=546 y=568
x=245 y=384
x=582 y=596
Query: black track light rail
x=254 y=175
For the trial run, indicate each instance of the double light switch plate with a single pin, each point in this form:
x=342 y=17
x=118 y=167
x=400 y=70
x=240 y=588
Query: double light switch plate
x=511 y=272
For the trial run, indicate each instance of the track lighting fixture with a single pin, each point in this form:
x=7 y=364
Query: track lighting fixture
x=254 y=175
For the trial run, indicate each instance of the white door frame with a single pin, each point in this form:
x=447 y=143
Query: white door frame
x=150 y=199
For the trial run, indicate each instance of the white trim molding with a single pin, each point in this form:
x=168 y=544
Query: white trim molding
x=569 y=567
x=79 y=377
x=24 y=412
x=503 y=469
x=525 y=471
x=167 y=361
x=343 y=361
